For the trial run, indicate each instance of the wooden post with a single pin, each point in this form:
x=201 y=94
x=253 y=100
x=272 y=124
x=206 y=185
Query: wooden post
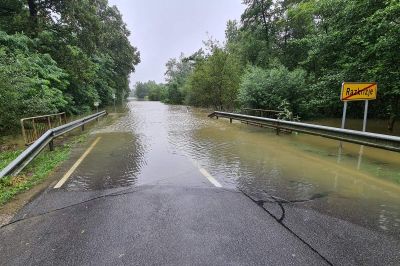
x=34 y=129
x=23 y=131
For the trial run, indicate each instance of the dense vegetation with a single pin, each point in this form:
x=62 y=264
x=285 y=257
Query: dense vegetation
x=295 y=52
x=60 y=55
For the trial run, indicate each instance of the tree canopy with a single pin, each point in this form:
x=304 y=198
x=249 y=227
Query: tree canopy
x=67 y=53
x=297 y=52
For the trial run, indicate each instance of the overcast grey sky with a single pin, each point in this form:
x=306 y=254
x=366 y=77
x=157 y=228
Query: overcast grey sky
x=162 y=29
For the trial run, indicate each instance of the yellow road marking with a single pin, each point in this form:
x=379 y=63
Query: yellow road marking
x=210 y=177
x=76 y=164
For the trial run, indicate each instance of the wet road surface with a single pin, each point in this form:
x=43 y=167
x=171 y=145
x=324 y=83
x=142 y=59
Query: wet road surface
x=146 y=194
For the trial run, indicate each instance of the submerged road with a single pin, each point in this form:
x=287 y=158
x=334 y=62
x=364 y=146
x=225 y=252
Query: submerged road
x=166 y=185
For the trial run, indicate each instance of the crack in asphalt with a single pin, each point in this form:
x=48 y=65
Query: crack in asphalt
x=280 y=220
x=281 y=201
x=312 y=198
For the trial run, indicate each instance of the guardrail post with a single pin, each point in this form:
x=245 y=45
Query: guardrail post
x=51 y=145
x=278 y=130
x=230 y=119
x=83 y=127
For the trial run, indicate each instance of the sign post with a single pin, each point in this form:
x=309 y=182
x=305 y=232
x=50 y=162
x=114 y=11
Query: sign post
x=365 y=116
x=357 y=91
x=96 y=104
x=344 y=114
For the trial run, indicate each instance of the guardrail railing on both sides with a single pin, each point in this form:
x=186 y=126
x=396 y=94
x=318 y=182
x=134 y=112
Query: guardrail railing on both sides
x=47 y=138
x=381 y=141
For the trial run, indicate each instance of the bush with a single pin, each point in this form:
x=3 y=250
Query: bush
x=268 y=88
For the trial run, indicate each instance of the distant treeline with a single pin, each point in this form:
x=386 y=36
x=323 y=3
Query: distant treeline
x=295 y=52
x=58 y=55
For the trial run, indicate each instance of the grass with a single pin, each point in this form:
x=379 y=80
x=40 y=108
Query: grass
x=37 y=171
x=7 y=156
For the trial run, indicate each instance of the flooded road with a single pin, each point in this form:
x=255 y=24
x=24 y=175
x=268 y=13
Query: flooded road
x=156 y=143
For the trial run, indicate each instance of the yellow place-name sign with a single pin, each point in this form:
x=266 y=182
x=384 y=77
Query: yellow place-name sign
x=359 y=91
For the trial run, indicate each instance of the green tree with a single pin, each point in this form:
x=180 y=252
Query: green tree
x=215 y=81
x=87 y=41
x=332 y=40
x=155 y=91
x=149 y=89
x=178 y=71
x=30 y=83
x=141 y=90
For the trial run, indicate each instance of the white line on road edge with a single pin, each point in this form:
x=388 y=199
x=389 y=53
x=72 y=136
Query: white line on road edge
x=76 y=164
x=210 y=177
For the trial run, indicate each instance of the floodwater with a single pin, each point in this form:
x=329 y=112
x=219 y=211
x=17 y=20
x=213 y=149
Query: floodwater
x=373 y=125
x=155 y=142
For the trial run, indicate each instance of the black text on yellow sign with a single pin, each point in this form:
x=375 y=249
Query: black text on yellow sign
x=359 y=91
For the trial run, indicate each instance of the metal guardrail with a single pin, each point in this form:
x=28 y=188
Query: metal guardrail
x=381 y=141
x=47 y=138
x=34 y=127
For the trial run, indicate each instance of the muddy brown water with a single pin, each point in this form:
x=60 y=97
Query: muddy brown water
x=373 y=125
x=154 y=141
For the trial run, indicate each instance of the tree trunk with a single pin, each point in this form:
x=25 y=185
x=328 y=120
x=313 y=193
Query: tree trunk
x=33 y=27
x=263 y=10
x=32 y=8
